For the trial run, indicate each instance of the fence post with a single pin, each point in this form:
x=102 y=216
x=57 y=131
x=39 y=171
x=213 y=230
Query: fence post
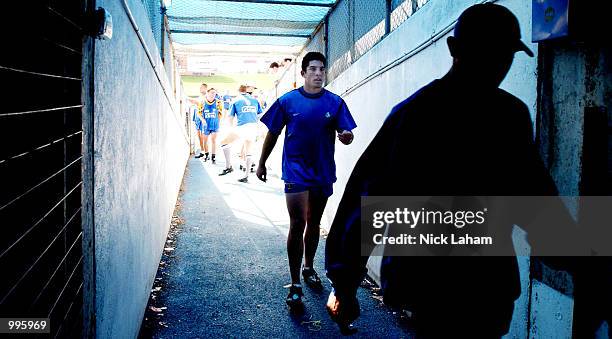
x=326 y=36
x=162 y=10
x=326 y=43
x=388 y=17
x=351 y=25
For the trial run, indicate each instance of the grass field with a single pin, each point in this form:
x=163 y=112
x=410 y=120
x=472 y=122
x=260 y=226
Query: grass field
x=229 y=82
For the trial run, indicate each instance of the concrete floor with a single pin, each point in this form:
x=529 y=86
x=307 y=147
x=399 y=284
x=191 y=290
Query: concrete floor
x=225 y=275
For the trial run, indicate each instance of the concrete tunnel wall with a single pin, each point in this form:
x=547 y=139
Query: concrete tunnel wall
x=140 y=153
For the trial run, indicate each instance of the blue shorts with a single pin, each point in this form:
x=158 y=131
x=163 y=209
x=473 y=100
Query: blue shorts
x=325 y=190
x=212 y=126
x=207 y=130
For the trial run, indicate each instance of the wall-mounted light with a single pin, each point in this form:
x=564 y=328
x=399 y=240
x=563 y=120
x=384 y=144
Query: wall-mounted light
x=104 y=24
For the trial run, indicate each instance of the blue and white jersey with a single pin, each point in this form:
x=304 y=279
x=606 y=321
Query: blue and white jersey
x=312 y=121
x=193 y=109
x=197 y=117
x=211 y=111
x=245 y=108
x=227 y=101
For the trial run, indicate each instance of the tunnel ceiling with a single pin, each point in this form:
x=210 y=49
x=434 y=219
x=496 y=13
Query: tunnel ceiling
x=275 y=24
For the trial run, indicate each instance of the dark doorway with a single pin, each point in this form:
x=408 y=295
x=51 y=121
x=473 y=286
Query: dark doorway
x=41 y=138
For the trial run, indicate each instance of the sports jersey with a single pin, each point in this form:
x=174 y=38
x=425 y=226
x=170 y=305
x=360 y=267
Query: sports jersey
x=227 y=100
x=245 y=108
x=194 y=110
x=198 y=118
x=211 y=111
x=311 y=121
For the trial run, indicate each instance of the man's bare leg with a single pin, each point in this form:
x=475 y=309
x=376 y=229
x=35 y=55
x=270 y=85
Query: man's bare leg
x=227 y=151
x=316 y=206
x=205 y=142
x=213 y=150
x=200 y=138
x=242 y=154
x=247 y=148
x=297 y=205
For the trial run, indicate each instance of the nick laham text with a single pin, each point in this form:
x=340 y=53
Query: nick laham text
x=432 y=239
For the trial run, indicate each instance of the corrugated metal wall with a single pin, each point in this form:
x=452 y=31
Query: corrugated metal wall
x=40 y=163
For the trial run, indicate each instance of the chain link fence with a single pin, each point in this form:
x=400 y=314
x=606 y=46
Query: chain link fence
x=403 y=9
x=154 y=10
x=278 y=23
x=355 y=26
x=161 y=36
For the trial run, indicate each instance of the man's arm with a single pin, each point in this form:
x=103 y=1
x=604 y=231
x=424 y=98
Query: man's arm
x=229 y=117
x=219 y=108
x=344 y=263
x=266 y=149
x=345 y=124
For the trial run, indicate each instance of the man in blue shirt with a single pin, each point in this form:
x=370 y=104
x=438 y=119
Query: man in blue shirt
x=246 y=109
x=312 y=117
x=212 y=109
x=227 y=100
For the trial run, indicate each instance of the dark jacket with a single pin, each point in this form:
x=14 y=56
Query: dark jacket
x=445 y=140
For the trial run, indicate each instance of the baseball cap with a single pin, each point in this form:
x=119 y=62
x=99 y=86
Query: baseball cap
x=490 y=25
x=251 y=84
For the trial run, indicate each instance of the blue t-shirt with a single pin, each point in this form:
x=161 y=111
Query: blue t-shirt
x=246 y=108
x=194 y=112
x=312 y=121
x=227 y=99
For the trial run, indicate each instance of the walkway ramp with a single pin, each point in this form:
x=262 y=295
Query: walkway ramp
x=226 y=272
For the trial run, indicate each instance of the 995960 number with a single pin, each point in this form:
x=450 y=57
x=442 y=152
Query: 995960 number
x=24 y=325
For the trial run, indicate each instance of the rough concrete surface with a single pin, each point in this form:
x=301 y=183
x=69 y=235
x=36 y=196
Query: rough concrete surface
x=224 y=269
x=140 y=151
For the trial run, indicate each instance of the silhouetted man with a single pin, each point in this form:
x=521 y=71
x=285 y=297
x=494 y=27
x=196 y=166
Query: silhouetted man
x=458 y=136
